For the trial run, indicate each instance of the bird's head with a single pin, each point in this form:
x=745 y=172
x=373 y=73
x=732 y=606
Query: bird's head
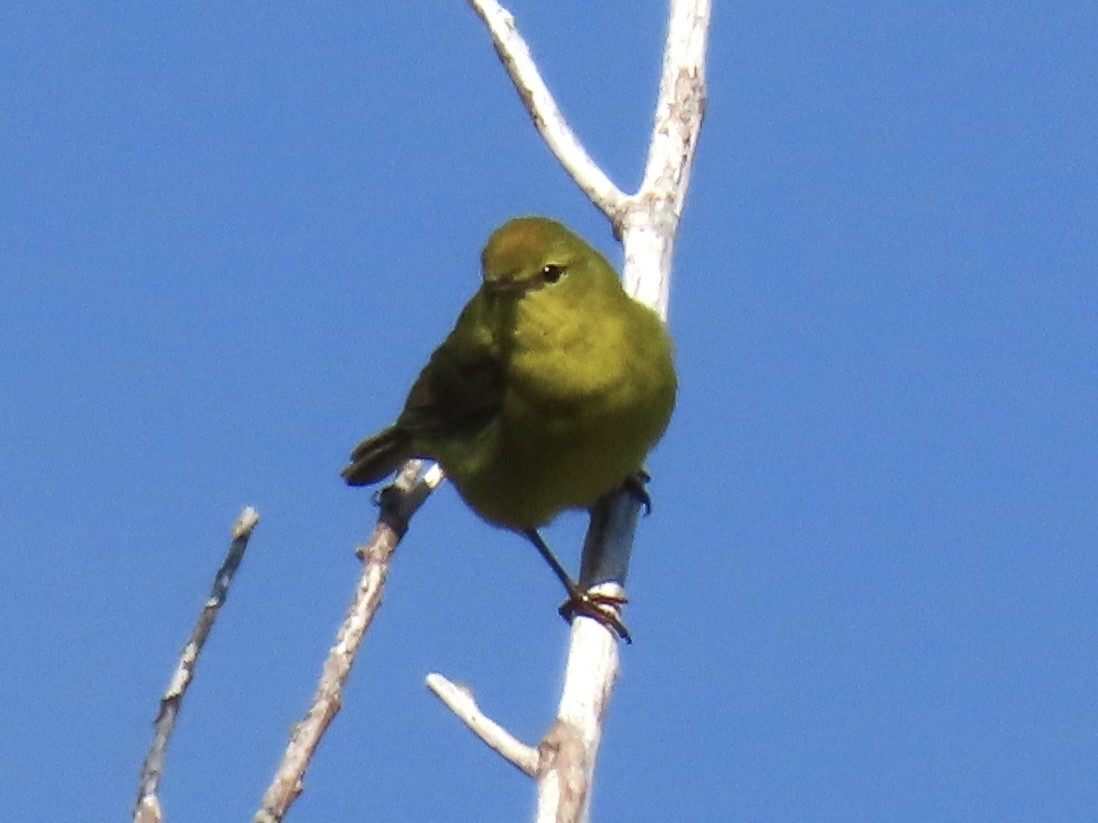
x=531 y=253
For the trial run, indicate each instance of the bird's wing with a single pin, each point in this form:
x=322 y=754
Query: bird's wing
x=460 y=391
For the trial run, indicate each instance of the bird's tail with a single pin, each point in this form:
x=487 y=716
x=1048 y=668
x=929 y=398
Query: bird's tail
x=379 y=456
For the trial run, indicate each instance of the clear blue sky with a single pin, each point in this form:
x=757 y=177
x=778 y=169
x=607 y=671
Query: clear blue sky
x=230 y=234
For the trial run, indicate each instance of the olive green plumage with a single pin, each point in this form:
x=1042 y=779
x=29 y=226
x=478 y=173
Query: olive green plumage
x=549 y=392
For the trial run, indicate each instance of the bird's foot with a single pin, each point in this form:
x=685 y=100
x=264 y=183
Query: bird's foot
x=602 y=608
x=635 y=484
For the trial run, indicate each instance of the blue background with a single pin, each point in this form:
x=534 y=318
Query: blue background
x=230 y=234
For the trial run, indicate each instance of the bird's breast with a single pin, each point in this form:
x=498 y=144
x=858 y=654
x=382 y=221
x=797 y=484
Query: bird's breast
x=564 y=360
x=586 y=396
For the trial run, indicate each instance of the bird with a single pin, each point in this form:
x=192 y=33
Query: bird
x=548 y=394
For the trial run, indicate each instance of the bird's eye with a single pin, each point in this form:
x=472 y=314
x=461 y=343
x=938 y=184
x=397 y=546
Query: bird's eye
x=552 y=273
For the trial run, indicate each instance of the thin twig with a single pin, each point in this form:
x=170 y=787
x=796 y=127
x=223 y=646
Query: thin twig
x=462 y=703
x=542 y=108
x=147 y=808
x=398 y=502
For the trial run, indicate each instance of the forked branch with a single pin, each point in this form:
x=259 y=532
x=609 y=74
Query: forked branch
x=647 y=223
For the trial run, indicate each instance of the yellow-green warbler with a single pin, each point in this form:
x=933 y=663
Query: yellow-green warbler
x=548 y=394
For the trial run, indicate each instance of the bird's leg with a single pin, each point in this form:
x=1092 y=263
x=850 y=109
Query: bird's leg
x=602 y=608
x=635 y=484
x=550 y=558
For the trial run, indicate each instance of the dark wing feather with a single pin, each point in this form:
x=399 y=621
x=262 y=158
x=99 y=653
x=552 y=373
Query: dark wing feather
x=375 y=458
x=458 y=393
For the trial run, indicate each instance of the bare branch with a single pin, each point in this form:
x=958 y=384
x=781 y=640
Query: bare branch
x=147 y=808
x=652 y=220
x=680 y=107
x=542 y=108
x=398 y=502
x=569 y=750
x=462 y=703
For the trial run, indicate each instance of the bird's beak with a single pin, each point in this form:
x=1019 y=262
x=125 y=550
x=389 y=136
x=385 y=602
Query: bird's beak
x=507 y=284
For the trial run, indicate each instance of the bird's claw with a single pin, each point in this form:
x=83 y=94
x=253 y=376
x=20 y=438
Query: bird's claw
x=635 y=485
x=602 y=608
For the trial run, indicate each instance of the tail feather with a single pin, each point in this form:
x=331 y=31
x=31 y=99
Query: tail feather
x=377 y=457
